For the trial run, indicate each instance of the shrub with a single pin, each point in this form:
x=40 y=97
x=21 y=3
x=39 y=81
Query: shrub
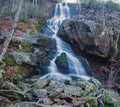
x=24 y=18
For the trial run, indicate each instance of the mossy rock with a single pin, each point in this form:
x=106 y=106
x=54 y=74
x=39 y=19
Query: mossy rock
x=18 y=58
x=12 y=95
x=9 y=60
x=26 y=47
x=91 y=102
x=45 y=42
x=62 y=62
x=109 y=99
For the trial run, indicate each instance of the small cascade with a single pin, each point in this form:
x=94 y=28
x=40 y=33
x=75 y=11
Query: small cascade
x=61 y=13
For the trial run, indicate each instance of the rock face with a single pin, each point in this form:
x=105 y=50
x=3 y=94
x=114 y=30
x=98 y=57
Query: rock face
x=89 y=37
x=62 y=63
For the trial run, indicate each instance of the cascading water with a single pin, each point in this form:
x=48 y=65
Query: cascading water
x=61 y=13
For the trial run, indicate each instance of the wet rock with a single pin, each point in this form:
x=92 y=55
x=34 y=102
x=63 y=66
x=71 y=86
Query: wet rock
x=41 y=83
x=73 y=90
x=62 y=63
x=40 y=93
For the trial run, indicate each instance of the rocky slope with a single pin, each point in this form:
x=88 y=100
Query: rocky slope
x=49 y=93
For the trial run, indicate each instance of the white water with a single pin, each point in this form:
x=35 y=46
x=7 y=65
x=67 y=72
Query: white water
x=61 y=13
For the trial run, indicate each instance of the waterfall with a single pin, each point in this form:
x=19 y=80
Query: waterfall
x=61 y=13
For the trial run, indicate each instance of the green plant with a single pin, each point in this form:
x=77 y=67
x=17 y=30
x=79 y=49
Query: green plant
x=24 y=18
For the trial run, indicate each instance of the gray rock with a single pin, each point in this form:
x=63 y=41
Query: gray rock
x=78 y=103
x=89 y=37
x=95 y=82
x=27 y=104
x=41 y=83
x=40 y=92
x=73 y=90
x=9 y=86
x=21 y=57
x=45 y=101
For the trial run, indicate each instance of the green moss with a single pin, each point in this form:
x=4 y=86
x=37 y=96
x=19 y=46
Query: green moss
x=41 y=21
x=109 y=99
x=63 y=58
x=91 y=102
x=26 y=47
x=26 y=71
x=9 y=60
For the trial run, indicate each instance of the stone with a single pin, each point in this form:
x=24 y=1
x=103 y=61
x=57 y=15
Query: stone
x=11 y=91
x=96 y=82
x=21 y=57
x=9 y=86
x=89 y=37
x=41 y=83
x=87 y=86
x=40 y=93
x=18 y=58
x=45 y=101
x=12 y=95
x=73 y=90
x=27 y=104
x=78 y=103
x=62 y=63
x=1 y=73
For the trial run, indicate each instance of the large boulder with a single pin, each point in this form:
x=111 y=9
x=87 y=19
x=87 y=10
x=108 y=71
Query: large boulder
x=62 y=63
x=89 y=37
x=45 y=51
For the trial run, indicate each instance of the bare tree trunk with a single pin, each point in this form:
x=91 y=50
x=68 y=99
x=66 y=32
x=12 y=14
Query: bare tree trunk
x=9 y=37
x=13 y=6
